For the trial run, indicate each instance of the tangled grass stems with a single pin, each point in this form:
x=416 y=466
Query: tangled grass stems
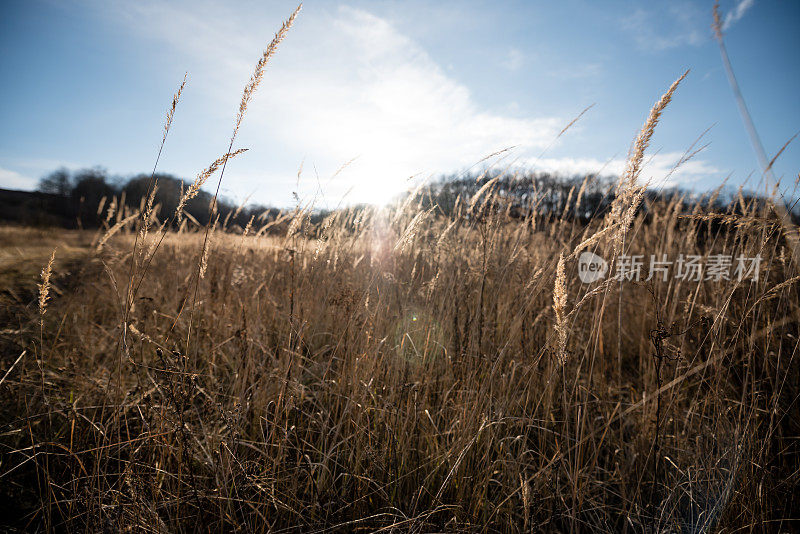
x=390 y=370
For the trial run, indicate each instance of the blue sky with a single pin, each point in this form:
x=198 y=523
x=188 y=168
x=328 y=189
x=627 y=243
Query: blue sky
x=406 y=88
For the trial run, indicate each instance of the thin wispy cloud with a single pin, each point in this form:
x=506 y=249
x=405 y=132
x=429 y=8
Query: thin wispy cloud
x=666 y=28
x=737 y=13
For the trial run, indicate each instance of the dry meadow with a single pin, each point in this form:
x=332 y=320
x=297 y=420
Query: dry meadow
x=402 y=369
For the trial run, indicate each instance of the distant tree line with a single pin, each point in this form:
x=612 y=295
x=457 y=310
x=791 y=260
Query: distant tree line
x=81 y=198
x=85 y=195
x=544 y=195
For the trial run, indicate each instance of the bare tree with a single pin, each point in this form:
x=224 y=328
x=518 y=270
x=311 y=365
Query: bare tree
x=58 y=182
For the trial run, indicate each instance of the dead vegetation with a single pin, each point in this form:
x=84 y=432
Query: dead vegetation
x=392 y=369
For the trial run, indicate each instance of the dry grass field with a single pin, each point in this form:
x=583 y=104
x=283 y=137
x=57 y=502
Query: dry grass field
x=394 y=369
x=401 y=370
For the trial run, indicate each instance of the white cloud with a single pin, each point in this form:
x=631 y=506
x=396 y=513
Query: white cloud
x=13 y=180
x=386 y=101
x=657 y=170
x=348 y=84
x=738 y=12
x=345 y=84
